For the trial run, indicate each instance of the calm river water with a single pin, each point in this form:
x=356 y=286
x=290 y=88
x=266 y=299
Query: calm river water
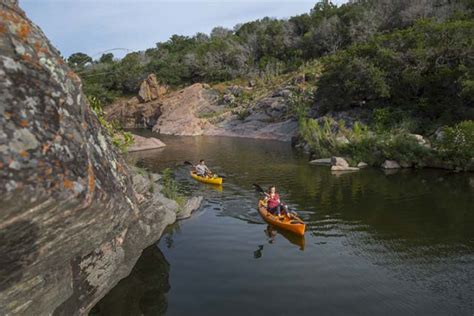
x=376 y=243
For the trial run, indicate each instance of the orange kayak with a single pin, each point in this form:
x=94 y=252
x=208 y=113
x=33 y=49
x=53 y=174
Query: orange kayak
x=294 y=224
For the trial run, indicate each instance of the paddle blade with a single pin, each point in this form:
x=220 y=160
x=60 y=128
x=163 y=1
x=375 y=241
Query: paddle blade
x=258 y=188
x=188 y=163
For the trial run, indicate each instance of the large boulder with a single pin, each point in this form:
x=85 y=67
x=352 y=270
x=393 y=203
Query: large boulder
x=390 y=164
x=340 y=164
x=133 y=114
x=421 y=140
x=70 y=224
x=151 y=89
x=141 y=143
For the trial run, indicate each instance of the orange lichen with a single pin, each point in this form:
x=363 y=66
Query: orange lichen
x=24 y=154
x=46 y=147
x=91 y=179
x=3 y=28
x=23 y=31
x=73 y=76
x=68 y=184
x=24 y=123
x=120 y=168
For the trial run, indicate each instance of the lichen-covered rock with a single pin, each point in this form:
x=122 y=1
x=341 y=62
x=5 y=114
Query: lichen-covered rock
x=70 y=226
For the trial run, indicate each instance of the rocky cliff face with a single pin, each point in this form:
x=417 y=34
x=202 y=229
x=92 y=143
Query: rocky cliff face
x=70 y=225
x=200 y=110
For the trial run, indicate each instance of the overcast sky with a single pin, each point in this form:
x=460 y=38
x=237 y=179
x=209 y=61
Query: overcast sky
x=94 y=26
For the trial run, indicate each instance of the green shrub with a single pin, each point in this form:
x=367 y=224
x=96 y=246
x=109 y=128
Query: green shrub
x=121 y=139
x=171 y=187
x=457 y=144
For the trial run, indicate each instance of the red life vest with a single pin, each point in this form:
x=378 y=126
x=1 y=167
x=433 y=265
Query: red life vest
x=274 y=202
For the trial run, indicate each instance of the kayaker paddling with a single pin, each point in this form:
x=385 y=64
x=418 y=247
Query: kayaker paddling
x=274 y=205
x=202 y=170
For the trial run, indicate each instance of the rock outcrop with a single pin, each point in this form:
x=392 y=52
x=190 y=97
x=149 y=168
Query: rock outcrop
x=340 y=164
x=151 y=89
x=195 y=111
x=390 y=164
x=183 y=112
x=141 y=143
x=70 y=224
x=133 y=114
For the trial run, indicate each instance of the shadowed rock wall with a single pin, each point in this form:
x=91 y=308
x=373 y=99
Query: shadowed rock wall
x=70 y=225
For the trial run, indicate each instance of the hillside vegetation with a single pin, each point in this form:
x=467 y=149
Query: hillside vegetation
x=375 y=72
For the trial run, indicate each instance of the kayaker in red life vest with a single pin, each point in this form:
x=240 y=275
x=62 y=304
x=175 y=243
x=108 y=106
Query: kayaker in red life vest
x=274 y=204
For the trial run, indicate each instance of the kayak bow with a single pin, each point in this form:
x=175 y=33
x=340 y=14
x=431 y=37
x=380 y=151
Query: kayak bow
x=293 y=224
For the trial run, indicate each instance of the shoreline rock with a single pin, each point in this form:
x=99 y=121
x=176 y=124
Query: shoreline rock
x=321 y=161
x=340 y=164
x=141 y=143
x=390 y=164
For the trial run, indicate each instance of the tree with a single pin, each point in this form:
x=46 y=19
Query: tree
x=107 y=58
x=79 y=60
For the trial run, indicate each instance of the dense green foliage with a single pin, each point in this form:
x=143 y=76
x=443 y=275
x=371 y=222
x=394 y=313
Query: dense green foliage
x=270 y=47
x=453 y=148
x=426 y=71
x=403 y=66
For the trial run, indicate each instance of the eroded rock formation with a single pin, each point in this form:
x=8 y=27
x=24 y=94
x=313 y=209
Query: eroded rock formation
x=70 y=225
x=151 y=89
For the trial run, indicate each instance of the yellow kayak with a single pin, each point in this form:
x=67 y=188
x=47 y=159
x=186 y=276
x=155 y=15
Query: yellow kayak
x=211 y=180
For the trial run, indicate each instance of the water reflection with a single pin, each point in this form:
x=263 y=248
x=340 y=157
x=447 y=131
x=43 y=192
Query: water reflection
x=142 y=292
x=394 y=239
x=271 y=232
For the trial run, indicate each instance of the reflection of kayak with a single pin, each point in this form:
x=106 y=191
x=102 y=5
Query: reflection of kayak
x=294 y=224
x=211 y=180
x=295 y=239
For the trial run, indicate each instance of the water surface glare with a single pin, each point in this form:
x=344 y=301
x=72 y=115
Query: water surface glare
x=398 y=243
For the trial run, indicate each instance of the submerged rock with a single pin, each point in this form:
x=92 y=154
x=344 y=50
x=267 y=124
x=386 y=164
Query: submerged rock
x=321 y=161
